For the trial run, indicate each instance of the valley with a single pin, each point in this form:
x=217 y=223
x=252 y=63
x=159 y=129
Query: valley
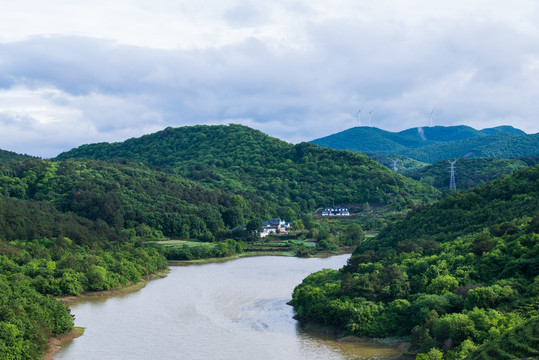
x=103 y=216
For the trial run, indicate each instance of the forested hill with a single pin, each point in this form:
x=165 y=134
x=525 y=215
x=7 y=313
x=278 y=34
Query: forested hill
x=131 y=195
x=430 y=144
x=242 y=160
x=470 y=172
x=11 y=156
x=44 y=252
x=461 y=277
x=501 y=145
x=461 y=213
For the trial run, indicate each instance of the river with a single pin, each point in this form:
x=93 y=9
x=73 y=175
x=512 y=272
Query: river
x=230 y=310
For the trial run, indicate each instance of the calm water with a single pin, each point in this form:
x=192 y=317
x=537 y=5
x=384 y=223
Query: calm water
x=232 y=310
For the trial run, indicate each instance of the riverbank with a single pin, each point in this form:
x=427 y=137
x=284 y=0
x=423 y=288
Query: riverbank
x=400 y=344
x=233 y=310
x=55 y=342
x=323 y=254
x=116 y=291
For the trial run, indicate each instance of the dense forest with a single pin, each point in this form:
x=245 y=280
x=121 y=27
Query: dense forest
x=129 y=196
x=90 y=219
x=11 y=156
x=469 y=172
x=44 y=252
x=458 y=276
x=74 y=225
x=236 y=158
x=502 y=145
x=431 y=144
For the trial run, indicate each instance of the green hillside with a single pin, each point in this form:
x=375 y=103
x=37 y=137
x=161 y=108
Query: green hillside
x=455 y=275
x=502 y=145
x=520 y=342
x=368 y=139
x=236 y=158
x=405 y=165
x=11 y=156
x=431 y=144
x=130 y=195
x=469 y=172
x=44 y=252
x=73 y=225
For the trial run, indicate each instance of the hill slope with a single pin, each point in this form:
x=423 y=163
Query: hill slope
x=502 y=145
x=236 y=158
x=11 y=156
x=453 y=275
x=430 y=144
x=45 y=253
x=129 y=195
x=470 y=172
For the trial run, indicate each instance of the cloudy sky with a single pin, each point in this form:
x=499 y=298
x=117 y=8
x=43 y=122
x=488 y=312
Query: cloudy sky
x=76 y=72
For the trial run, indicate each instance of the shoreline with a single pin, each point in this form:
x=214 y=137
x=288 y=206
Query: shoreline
x=67 y=300
x=55 y=342
x=254 y=254
x=400 y=344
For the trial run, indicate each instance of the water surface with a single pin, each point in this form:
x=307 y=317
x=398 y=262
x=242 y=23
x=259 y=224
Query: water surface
x=231 y=310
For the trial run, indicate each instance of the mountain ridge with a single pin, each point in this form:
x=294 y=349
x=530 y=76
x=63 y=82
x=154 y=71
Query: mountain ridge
x=238 y=158
x=430 y=144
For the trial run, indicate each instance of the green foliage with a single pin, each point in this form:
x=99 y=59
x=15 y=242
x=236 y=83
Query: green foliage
x=519 y=342
x=476 y=281
x=470 y=172
x=299 y=178
x=8 y=156
x=433 y=354
x=431 y=144
x=27 y=318
x=354 y=235
x=126 y=196
x=228 y=247
x=467 y=212
x=502 y=145
x=45 y=252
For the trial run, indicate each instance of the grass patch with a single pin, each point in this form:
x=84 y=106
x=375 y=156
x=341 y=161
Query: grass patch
x=182 y=243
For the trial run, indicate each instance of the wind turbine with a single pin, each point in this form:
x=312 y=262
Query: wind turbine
x=358 y=114
x=370 y=117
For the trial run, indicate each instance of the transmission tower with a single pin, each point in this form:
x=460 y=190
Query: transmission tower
x=395 y=169
x=452 y=184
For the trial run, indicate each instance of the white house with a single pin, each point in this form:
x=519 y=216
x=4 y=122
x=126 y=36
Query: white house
x=272 y=226
x=336 y=211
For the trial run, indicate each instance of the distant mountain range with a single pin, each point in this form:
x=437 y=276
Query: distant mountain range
x=431 y=144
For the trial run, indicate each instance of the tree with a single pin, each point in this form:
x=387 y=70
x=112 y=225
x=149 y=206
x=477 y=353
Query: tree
x=254 y=226
x=97 y=278
x=354 y=234
x=298 y=225
x=433 y=354
x=442 y=285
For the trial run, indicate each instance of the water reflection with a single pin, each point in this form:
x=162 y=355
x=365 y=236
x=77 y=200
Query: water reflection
x=232 y=310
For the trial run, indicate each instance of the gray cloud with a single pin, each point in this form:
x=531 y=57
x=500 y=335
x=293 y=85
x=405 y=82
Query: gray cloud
x=477 y=73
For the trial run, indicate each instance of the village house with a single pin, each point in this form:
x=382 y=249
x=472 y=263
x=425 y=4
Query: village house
x=274 y=226
x=336 y=211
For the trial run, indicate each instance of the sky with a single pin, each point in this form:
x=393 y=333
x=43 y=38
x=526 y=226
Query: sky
x=78 y=72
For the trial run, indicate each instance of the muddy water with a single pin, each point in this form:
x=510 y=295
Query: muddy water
x=231 y=310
